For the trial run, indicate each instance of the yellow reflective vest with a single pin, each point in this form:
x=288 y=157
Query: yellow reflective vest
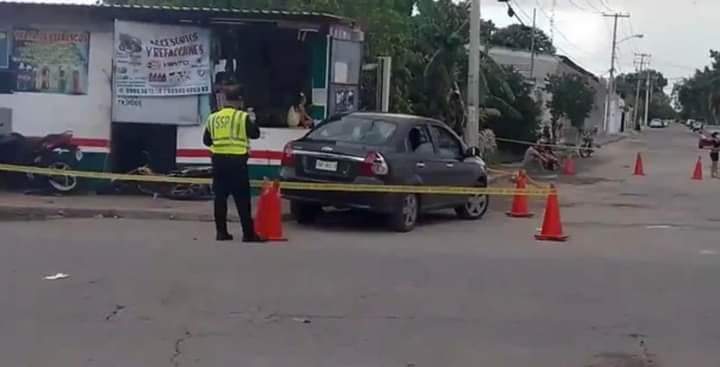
x=228 y=131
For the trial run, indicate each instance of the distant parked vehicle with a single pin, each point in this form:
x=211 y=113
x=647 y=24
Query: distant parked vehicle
x=383 y=149
x=656 y=123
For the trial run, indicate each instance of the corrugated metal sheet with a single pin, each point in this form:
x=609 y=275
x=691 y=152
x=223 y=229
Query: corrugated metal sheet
x=207 y=11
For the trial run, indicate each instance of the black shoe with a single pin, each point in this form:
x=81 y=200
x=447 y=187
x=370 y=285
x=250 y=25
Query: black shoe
x=254 y=239
x=224 y=237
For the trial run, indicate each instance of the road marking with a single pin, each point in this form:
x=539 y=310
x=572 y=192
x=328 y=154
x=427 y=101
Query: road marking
x=708 y=252
x=659 y=226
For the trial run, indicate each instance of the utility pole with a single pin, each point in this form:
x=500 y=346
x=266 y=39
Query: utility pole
x=636 y=121
x=647 y=93
x=611 y=81
x=471 y=130
x=532 y=49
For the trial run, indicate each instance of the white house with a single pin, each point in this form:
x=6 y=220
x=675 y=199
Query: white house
x=131 y=79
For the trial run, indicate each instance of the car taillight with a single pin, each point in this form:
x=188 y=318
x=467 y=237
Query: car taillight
x=374 y=165
x=288 y=158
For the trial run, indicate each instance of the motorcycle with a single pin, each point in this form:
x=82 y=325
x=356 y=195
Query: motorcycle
x=587 y=147
x=175 y=191
x=56 y=151
x=182 y=191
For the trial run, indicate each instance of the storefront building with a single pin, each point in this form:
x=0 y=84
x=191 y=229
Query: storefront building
x=135 y=83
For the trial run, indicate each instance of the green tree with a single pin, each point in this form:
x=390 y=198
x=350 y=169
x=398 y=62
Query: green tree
x=698 y=97
x=523 y=120
x=519 y=37
x=626 y=84
x=572 y=98
x=660 y=103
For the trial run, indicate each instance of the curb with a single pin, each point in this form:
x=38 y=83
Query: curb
x=41 y=213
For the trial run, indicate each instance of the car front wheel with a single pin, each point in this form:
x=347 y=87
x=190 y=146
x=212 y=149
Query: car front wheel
x=304 y=213
x=404 y=218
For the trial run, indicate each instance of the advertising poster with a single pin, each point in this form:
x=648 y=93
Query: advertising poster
x=153 y=60
x=49 y=61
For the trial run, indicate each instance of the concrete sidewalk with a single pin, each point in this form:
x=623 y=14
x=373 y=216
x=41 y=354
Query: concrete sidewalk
x=20 y=206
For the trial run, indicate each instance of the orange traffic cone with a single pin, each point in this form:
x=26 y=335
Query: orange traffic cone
x=639 y=169
x=698 y=173
x=268 y=219
x=520 y=201
x=552 y=226
x=569 y=167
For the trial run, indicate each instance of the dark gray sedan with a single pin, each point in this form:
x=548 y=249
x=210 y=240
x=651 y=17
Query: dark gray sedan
x=383 y=149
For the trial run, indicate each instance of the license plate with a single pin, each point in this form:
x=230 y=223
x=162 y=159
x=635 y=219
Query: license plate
x=326 y=166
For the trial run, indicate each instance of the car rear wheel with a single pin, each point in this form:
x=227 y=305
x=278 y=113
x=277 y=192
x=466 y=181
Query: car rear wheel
x=404 y=218
x=474 y=208
x=304 y=213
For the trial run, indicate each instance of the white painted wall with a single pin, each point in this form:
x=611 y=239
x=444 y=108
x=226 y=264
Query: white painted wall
x=89 y=116
x=189 y=139
x=37 y=114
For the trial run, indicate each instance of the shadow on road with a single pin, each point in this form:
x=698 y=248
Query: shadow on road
x=365 y=222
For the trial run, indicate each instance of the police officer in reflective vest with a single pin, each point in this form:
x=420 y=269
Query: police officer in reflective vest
x=227 y=134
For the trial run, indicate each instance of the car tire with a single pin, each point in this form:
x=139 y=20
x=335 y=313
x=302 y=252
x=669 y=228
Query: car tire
x=304 y=213
x=405 y=217
x=475 y=207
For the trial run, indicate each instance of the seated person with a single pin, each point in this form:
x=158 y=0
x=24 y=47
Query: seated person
x=297 y=116
x=419 y=141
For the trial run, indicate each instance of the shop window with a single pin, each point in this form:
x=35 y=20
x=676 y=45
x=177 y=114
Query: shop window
x=271 y=66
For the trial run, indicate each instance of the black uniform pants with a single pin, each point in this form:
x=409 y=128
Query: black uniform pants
x=230 y=177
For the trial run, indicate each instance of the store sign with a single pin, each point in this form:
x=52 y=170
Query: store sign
x=161 y=60
x=50 y=61
x=4 y=49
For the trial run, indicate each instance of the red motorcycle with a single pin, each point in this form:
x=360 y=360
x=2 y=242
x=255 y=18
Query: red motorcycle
x=55 y=151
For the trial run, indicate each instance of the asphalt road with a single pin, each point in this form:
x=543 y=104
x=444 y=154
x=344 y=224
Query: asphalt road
x=636 y=285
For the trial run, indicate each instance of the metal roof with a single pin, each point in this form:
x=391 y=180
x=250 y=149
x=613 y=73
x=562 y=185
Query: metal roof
x=135 y=9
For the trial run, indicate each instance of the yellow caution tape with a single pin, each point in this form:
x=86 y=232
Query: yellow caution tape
x=287 y=185
x=526 y=142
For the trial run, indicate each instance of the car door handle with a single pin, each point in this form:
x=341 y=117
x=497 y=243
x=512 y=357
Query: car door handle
x=449 y=165
x=420 y=164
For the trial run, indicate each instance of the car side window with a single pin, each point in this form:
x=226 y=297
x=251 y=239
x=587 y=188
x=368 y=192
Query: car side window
x=418 y=141
x=448 y=146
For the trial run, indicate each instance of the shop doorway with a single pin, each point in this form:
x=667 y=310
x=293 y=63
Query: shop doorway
x=135 y=144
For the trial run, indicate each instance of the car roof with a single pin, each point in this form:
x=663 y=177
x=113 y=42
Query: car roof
x=400 y=118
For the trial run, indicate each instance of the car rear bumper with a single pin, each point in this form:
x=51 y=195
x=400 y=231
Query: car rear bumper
x=376 y=202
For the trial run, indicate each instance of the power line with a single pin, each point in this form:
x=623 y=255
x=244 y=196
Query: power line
x=521 y=10
x=631 y=35
x=555 y=28
x=575 y=5
x=676 y=66
x=513 y=12
x=590 y=4
x=607 y=5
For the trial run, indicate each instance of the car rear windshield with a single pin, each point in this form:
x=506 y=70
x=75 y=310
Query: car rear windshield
x=355 y=130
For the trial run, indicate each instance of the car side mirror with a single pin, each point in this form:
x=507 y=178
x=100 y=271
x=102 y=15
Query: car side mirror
x=472 y=152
